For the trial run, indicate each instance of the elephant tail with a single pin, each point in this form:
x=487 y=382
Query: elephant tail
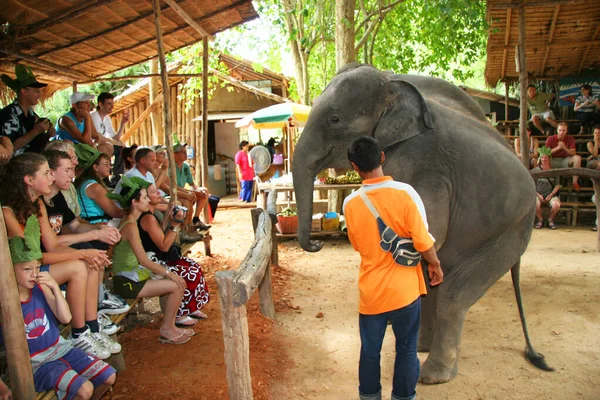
x=537 y=359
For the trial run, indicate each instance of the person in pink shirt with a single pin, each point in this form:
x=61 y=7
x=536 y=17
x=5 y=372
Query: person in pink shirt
x=245 y=171
x=564 y=154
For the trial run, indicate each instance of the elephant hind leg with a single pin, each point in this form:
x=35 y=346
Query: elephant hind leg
x=537 y=359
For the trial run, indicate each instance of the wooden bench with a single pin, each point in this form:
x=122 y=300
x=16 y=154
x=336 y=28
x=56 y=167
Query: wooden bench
x=572 y=210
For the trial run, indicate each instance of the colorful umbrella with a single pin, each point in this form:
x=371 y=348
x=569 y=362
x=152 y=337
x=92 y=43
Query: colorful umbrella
x=275 y=116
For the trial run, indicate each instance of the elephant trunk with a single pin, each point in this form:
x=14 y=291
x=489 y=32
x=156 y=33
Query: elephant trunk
x=304 y=183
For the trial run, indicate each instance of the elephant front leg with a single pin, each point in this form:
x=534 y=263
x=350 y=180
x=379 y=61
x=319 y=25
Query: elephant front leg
x=428 y=317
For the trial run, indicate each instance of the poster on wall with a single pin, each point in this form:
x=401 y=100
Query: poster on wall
x=570 y=88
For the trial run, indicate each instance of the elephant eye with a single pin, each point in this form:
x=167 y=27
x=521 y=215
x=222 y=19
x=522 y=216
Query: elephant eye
x=334 y=119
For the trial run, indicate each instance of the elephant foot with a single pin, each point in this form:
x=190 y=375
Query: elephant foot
x=432 y=373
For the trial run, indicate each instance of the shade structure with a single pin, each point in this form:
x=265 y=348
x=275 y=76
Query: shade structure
x=275 y=116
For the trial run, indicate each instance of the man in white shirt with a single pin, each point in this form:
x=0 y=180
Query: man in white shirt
x=104 y=126
x=145 y=163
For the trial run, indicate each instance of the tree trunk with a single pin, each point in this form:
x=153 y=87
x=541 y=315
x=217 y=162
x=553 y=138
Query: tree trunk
x=344 y=32
x=154 y=116
x=300 y=58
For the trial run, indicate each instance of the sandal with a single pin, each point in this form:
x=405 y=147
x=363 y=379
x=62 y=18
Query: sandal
x=181 y=339
x=595 y=228
x=539 y=225
x=551 y=224
x=185 y=321
x=198 y=315
x=188 y=332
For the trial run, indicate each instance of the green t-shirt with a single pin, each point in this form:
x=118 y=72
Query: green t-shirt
x=184 y=175
x=538 y=105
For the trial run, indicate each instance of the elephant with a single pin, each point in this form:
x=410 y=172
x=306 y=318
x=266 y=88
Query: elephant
x=479 y=198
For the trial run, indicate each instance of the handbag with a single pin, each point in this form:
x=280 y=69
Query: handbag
x=174 y=253
x=402 y=249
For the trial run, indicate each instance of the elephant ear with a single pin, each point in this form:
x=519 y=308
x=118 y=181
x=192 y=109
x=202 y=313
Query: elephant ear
x=406 y=114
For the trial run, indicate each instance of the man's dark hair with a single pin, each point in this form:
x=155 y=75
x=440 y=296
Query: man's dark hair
x=595 y=127
x=533 y=86
x=102 y=97
x=142 y=152
x=243 y=143
x=365 y=152
x=54 y=157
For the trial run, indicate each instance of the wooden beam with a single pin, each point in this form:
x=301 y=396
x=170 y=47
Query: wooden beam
x=587 y=50
x=522 y=68
x=506 y=39
x=153 y=93
x=265 y=289
x=204 y=143
x=141 y=76
x=550 y=36
x=64 y=16
x=167 y=102
x=65 y=70
x=145 y=114
x=186 y=17
x=13 y=328
x=561 y=45
x=532 y=4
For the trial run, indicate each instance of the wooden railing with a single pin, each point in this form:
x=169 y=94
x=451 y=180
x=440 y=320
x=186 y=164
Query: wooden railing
x=235 y=289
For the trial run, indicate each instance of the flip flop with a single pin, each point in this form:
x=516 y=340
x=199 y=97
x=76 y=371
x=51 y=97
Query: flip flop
x=551 y=224
x=185 y=322
x=181 y=339
x=189 y=332
x=198 y=315
x=539 y=225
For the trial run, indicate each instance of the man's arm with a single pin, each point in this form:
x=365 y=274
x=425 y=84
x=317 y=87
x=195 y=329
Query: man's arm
x=124 y=121
x=54 y=297
x=84 y=232
x=436 y=275
x=68 y=125
x=41 y=126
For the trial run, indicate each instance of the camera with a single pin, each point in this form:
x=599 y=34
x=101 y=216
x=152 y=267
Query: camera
x=176 y=210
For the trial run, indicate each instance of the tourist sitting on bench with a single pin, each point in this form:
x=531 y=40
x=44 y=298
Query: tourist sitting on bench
x=24 y=179
x=585 y=108
x=56 y=364
x=537 y=103
x=546 y=192
x=160 y=248
x=534 y=145
x=135 y=275
x=96 y=208
x=564 y=154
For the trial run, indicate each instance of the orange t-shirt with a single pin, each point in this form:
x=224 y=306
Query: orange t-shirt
x=383 y=284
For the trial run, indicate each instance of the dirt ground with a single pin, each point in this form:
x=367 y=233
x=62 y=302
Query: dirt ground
x=300 y=356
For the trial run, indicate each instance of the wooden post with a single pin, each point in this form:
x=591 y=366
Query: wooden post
x=271 y=207
x=597 y=201
x=235 y=340
x=74 y=87
x=204 y=144
x=13 y=328
x=522 y=69
x=154 y=118
x=506 y=107
x=167 y=100
x=265 y=288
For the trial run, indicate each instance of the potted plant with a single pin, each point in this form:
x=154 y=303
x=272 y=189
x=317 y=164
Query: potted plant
x=287 y=220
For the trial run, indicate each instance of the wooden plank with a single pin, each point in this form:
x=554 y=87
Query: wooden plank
x=252 y=268
x=138 y=121
x=13 y=327
x=204 y=143
x=235 y=340
x=523 y=82
x=265 y=290
x=71 y=73
x=550 y=36
x=190 y=21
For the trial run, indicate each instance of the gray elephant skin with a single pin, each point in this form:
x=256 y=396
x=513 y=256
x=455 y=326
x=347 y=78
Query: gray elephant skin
x=479 y=198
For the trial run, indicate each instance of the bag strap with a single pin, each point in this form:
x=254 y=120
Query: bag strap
x=362 y=193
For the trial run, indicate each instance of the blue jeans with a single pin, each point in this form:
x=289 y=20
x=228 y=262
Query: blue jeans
x=246 y=189
x=405 y=324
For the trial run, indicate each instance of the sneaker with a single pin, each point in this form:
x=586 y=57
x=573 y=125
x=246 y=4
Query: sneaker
x=88 y=343
x=201 y=226
x=107 y=342
x=106 y=325
x=114 y=298
x=190 y=237
x=112 y=307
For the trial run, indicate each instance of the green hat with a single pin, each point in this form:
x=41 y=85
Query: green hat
x=545 y=151
x=129 y=189
x=179 y=147
x=86 y=154
x=24 y=78
x=27 y=248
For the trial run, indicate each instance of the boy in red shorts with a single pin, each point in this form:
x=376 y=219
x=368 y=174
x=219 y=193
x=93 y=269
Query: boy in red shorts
x=56 y=364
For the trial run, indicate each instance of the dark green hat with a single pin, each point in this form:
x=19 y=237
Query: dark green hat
x=27 y=248
x=545 y=151
x=86 y=154
x=24 y=78
x=129 y=189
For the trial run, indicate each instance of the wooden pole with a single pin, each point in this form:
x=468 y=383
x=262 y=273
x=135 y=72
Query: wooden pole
x=597 y=201
x=506 y=106
x=235 y=339
x=153 y=87
x=204 y=144
x=265 y=289
x=522 y=69
x=13 y=328
x=74 y=87
x=271 y=208
x=187 y=18
x=167 y=100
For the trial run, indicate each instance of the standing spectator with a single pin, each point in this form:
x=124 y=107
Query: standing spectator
x=18 y=121
x=103 y=124
x=245 y=171
x=534 y=145
x=388 y=292
x=563 y=153
x=77 y=125
x=547 y=192
x=585 y=108
x=537 y=102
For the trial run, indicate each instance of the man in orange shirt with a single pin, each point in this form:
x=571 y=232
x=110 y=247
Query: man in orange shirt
x=388 y=291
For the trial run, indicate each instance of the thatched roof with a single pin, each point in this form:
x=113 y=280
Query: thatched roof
x=78 y=40
x=562 y=39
